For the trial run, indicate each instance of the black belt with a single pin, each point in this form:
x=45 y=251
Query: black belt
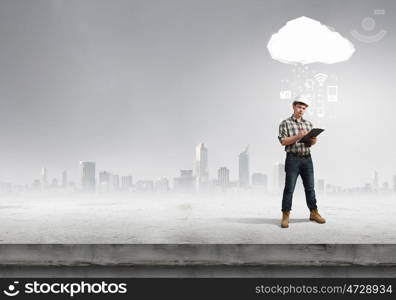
x=299 y=155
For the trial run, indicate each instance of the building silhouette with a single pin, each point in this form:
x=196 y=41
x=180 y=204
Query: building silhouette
x=36 y=185
x=367 y=188
x=260 y=179
x=87 y=176
x=376 y=181
x=321 y=186
x=244 y=170
x=54 y=183
x=185 y=182
x=126 y=182
x=44 y=178
x=278 y=177
x=144 y=185
x=201 y=166
x=115 y=182
x=223 y=177
x=104 y=177
x=162 y=185
x=64 y=179
x=104 y=181
x=5 y=187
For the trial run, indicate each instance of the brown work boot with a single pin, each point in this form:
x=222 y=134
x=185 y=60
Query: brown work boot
x=315 y=216
x=285 y=219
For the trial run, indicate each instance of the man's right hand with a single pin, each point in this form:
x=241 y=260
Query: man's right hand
x=301 y=133
x=293 y=139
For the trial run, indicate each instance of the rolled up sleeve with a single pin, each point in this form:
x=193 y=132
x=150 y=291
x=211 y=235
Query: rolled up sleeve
x=282 y=131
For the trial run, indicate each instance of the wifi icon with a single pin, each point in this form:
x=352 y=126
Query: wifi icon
x=321 y=78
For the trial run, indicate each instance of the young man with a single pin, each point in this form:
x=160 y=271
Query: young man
x=298 y=161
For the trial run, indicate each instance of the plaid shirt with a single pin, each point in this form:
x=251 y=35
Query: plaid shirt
x=290 y=127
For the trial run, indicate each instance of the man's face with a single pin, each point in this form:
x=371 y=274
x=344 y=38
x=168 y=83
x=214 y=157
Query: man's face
x=299 y=110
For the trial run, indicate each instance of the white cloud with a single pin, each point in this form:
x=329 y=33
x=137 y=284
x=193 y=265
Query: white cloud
x=304 y=40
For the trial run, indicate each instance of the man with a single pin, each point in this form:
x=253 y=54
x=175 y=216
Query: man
x=298 y=161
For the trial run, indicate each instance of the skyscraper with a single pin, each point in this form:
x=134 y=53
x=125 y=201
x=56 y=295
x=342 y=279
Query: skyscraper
x=64 y=179
x=44 y=178
x=201 y=164
x=104 y=177
x=244 y=171
x=223 y=175
x=87 y=176
x=376 y=181
x=321 y=186
x=104 y=181
x=115 y=179
x=278 y=177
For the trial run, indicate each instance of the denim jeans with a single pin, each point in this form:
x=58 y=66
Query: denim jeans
x=295 y=166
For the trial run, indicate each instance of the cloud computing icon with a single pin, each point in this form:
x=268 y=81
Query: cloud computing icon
x=12 y=291
x=304 y=41
x=369 y=24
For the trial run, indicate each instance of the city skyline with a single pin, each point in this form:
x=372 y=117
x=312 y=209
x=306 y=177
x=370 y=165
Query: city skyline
x=196 y=178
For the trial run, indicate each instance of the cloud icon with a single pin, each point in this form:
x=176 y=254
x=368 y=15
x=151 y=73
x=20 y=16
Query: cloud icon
x=304 y=40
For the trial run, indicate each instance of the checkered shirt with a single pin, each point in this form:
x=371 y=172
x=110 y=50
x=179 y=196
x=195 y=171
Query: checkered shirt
x=290 y=127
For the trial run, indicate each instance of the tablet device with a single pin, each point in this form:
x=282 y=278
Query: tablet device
x=312 y=133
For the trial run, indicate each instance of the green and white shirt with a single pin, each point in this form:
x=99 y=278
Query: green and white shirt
x=290 y=127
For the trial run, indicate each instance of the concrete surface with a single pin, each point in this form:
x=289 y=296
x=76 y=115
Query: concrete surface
x=198 y=254
x=190 y=236
x=244 y=218
x=177 y=260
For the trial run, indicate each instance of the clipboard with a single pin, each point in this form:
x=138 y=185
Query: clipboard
x=312 y=133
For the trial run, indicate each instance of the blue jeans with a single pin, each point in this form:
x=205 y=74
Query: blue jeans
x=295 y=166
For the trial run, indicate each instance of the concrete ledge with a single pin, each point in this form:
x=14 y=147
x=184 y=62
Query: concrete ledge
x=312 y=255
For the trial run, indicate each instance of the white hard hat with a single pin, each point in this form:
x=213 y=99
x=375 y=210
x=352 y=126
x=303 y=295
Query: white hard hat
x=305 y=99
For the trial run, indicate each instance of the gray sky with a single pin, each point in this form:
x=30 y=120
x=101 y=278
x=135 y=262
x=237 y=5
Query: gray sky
x=135 y=85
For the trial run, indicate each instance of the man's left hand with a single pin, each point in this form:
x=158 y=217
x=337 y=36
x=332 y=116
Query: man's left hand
x=311 y=142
